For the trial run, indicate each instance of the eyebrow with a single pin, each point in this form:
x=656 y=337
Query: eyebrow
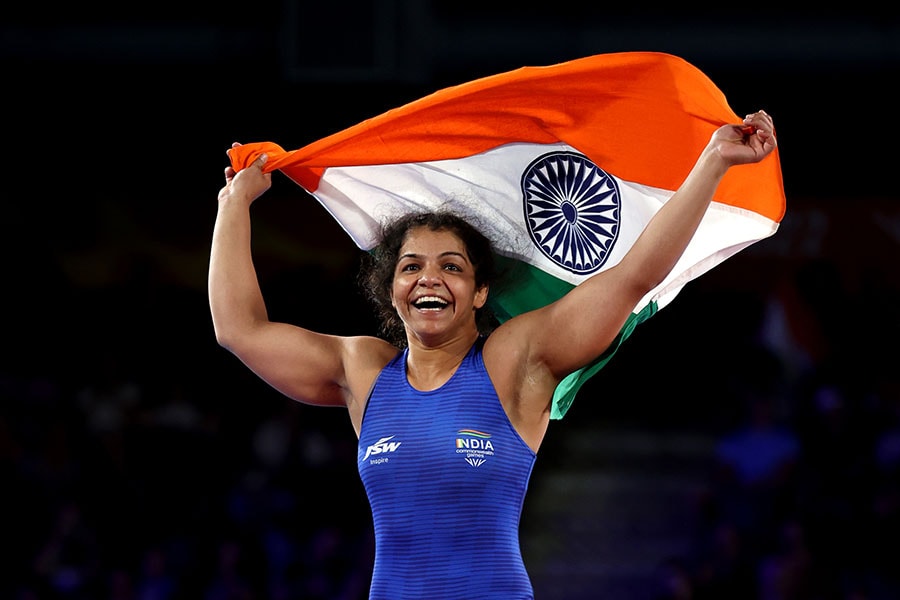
x=441 y=255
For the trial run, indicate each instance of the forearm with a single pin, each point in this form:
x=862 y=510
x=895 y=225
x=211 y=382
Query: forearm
x=668 y=233
x=235 y=298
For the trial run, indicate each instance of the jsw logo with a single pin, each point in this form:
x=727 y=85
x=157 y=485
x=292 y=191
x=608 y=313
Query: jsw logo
x=381 y=446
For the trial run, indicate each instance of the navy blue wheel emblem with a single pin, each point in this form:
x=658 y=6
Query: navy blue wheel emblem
x=572 y=210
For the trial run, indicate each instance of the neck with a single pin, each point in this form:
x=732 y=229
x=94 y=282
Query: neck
x=429 y=367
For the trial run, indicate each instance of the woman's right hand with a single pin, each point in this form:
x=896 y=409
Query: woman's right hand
x=248 y=184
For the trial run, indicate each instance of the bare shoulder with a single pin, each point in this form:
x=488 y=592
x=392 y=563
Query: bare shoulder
x=363 y=352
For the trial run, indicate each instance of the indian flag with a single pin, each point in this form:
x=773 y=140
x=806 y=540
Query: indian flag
x=562 y=166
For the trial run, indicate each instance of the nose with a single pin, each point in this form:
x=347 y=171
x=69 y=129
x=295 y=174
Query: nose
x=430 y=276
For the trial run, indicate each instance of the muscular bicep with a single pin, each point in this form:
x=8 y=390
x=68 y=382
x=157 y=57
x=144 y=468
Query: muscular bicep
x=304 y=365
x=579 y=327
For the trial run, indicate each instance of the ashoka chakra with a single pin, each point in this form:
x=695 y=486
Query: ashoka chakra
x=571 y=210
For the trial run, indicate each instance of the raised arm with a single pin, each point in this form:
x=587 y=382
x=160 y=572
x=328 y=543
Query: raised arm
x=579 y=327
x=304 y=365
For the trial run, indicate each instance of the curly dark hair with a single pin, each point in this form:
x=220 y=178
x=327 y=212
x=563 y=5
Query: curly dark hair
x=376 y=275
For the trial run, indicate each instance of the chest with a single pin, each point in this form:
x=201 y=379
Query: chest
x=457 y=435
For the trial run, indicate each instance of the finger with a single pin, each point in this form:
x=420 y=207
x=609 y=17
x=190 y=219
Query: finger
x=760 y=118
x=260 y=163
x=759 y=123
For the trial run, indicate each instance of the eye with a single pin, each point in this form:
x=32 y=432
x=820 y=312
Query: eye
x=409 y=267
x=452 y=267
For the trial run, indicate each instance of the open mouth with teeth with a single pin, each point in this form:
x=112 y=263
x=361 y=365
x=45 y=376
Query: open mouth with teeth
x=430 y=303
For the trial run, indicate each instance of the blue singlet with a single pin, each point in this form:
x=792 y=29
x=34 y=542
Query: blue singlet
x=446 y=475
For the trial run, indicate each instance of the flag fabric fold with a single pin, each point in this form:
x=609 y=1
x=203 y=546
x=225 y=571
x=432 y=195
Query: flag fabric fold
x=562 y=166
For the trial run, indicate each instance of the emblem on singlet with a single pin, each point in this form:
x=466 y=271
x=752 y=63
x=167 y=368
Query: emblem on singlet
x=376 y=451
x=572 y=210
x=474 y=446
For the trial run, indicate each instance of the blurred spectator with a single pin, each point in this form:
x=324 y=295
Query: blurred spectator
x=120 y=585
x=674 y=581
x=69 y=560
x=231 y=579
x=756 y=464
x=110 y=399
x=798 y=315
x=836 y=477
x=725 y=567
x=155 y=581
x=788 y=571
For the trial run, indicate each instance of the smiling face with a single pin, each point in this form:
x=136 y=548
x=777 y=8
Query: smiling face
x=434 y=289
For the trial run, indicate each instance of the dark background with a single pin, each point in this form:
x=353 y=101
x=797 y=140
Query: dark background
x=118 y=405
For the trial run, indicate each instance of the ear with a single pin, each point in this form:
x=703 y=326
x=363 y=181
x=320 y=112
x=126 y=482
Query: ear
x=481 y=296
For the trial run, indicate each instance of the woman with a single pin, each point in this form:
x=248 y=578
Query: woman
x=449 y=423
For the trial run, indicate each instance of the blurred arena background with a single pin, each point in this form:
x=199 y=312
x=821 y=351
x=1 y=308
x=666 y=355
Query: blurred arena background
x=141 y=461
